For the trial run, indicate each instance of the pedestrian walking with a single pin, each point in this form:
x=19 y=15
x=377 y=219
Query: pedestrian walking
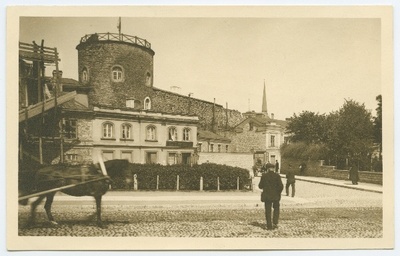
x=277 y=166
x=353 y=175
x=272 y=186
x=290 y=181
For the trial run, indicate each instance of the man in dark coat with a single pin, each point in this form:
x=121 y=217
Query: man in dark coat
x=353 y=173
x=272 y=186
x=277 y=166
x=290 y=181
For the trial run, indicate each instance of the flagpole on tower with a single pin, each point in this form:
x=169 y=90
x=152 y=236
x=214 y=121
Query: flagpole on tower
x=119 y=27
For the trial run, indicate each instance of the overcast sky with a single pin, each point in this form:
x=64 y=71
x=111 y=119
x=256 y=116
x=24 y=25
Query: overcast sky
x=307 y=64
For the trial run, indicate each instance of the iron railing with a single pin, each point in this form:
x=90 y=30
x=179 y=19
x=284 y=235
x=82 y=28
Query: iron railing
x=116 y=37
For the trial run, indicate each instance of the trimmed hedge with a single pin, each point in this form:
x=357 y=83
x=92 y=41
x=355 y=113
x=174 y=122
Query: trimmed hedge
x=189 y=177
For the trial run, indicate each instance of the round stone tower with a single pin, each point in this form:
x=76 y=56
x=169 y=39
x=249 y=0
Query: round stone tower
x=119 y=67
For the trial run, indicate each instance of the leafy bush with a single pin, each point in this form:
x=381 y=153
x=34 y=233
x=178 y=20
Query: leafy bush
x=189 y=177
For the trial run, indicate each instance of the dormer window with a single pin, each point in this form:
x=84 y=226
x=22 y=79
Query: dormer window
x=117 y=74
x=130 y=103
x=147 y=103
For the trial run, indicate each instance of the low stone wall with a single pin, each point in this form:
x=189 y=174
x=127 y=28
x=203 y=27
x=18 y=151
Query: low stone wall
x=243 y=160
x=316 y=170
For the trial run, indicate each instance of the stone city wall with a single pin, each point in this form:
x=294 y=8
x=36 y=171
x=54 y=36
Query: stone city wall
x=169 y=102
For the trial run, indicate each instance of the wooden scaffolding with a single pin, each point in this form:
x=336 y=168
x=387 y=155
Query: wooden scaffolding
x=38 y=94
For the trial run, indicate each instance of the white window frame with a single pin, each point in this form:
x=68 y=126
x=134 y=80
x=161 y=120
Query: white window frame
x=151 y=133
x=186 y=134
x=85 y=75
x=108 y=130
x=147 y=103
x=172 y=134
x=272 y=141
x=126 y=131
x=117 y=74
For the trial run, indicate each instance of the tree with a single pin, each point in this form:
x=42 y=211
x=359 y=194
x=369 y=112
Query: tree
x=378 y=123
x=344 y=137
x=377 y=163
x=354 y=134
x=308 y=127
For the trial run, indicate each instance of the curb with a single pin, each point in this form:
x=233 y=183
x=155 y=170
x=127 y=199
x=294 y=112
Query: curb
x=337 y=185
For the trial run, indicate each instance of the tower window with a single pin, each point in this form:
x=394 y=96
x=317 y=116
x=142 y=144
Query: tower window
x=85 y=75
x=148 y=79
x=117 y=74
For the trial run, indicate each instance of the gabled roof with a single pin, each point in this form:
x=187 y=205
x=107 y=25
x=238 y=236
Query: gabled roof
x=74 y=105
x=203 y=135
x=261 y=121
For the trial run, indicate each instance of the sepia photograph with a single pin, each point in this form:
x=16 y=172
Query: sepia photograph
x=200 y=128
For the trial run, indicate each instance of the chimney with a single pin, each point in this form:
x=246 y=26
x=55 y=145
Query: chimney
x=59 y=84
x=272 y=115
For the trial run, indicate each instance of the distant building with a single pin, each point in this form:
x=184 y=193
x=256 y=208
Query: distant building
x=209 y=142
x=260 y=134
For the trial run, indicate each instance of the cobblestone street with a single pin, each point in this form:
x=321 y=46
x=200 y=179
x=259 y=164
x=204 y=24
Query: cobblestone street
x=317 y=211
x=126 y=221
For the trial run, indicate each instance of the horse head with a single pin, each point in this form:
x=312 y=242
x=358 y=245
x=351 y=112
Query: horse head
x=118 y=169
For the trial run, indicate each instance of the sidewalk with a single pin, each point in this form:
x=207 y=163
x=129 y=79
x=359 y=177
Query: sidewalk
x=204 y=197
x=341 y=183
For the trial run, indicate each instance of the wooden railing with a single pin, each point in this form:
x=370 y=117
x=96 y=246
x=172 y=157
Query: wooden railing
x=34 y=52
x=116 y=37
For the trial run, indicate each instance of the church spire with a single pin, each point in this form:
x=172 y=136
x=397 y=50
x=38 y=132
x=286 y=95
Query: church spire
x=264 y=103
